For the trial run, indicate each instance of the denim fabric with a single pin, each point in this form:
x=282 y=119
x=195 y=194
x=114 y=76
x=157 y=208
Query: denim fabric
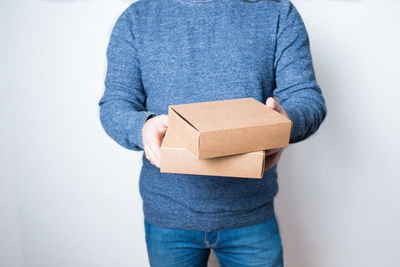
x=165 y=52
x=257 y=245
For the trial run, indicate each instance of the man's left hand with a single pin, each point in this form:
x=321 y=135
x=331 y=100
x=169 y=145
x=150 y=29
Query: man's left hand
x=272 y=156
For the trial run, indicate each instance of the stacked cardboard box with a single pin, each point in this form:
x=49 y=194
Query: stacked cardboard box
x=222 y=138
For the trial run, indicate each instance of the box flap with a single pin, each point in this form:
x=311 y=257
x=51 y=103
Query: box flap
x=227 y=114
x=188 y=135
x=169 y=141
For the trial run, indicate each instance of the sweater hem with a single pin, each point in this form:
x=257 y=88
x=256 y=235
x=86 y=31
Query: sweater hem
x=209 y=222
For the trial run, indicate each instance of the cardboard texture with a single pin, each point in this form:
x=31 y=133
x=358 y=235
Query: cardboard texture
x=228 y=127
x=176 y=158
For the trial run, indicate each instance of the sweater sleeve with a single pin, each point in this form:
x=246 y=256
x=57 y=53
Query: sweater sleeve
x=296 y=85
x=122 y=106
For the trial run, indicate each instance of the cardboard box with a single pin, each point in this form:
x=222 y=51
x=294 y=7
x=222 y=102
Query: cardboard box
x=228 y=127
x=176 y=158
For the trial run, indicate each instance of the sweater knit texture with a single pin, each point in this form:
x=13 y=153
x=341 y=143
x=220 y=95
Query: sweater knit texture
x=167 y=52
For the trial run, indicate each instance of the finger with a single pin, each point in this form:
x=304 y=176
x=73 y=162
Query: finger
x=156 y=163
x=153 y=146
x=271 y=151
x=164 y=120
x=155 y=149
x=158 y=137
x=160 y=132
x=152 y=158
x=271 y=103
x=277 y=156
x=279 y=108
x=148 y=153
x=271 y=160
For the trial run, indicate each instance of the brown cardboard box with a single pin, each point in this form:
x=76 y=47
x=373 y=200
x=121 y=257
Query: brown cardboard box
x=175 y=158
x=228 y=127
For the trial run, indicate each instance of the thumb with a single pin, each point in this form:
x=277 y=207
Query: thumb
x=273 y=104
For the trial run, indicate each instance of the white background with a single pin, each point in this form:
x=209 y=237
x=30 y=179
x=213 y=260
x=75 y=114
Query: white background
x=69 y=194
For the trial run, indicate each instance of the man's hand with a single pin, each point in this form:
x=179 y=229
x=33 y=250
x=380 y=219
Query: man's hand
x=272 y=156
x=152 y=133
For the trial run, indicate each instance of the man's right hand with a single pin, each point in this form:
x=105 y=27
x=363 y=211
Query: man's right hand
x=152 y=133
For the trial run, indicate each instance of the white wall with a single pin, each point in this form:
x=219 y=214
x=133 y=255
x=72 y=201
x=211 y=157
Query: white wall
x=69 y=195
x=339 y=191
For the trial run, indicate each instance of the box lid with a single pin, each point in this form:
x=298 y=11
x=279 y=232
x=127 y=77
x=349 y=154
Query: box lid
x=228 y=114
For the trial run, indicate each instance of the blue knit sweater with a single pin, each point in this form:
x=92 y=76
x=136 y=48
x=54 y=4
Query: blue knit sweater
x=166 y=52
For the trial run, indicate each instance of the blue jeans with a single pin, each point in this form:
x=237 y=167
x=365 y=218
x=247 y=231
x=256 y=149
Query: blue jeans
x=257 y=245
